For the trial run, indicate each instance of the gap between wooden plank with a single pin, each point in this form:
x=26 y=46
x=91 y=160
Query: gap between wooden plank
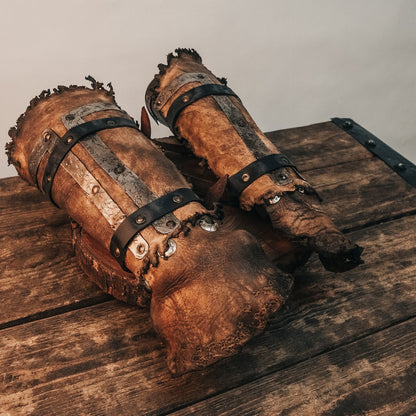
x=57 y=311
x=266 y=394
x=107 y=350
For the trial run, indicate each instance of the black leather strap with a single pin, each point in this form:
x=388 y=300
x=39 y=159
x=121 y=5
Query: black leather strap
x=73 y=136
x=144 y=216
x=246 y=176
x=189 y=97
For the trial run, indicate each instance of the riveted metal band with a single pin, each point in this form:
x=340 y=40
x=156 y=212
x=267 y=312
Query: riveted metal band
x=403 y=167
x=134 y=187
x=144 y=216
x=189 y=97
x=246 y=176
x=163 y=96
x=71 y=137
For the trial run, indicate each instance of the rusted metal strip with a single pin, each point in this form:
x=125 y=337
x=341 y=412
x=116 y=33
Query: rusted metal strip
x=134 y=187
x=102 y=200
x=64 y=145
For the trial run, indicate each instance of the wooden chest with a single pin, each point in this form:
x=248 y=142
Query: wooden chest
x=343 y=345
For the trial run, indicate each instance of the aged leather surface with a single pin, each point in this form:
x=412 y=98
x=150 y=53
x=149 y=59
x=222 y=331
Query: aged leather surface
x=214 y=293
x=221 y=131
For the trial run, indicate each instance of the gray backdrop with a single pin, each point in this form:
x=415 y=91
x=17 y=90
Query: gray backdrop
x=292 y=62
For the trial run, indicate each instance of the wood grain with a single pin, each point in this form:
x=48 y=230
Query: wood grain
x=373 y=376
x=38 y=269
x=36 y=246
x=318 y=145
x=105 y=359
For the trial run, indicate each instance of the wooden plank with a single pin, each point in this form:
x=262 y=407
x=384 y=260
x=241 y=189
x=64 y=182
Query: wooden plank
x=362 y=192
x=36 y=246
x=309 y=147
x=318 y=145
x=38 y=268
x=374 y=376
x=105 y=359
x=354 y=194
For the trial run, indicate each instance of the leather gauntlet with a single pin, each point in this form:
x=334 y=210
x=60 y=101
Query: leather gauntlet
x=211 y=288
x=209 y=116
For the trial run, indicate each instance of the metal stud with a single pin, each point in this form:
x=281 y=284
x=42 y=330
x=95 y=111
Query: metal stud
x=347 y=124
x=141 y=249
x=185 y=98
x=69 y=117
x=171 y=224
x=370 y=143
x=245 y=177
x=171 y=250
x=111 y=123
x=140 y=220
x=208 y=224
x=283 y=177
x=47 y=136
x=117 y=252
x=300 y=189
x=69 y=139
x=401 y=166
x=274 y=200
x=177 y=199
x=119 y=169
x=48 y=178
x=95 y=189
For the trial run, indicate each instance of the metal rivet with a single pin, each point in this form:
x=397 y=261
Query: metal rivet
x=274 y=200
x=282 y=177
x=347 y=124
x=245 y=177
x=48 y=178
x=69 y=139
x=69 y=117
x=47 y=136
x=140 y=220
x=300 y=189
x=111 y=123
x=401 y=166
x=208 y=224
x=158 y=102
x=370 y=143
x=95 y=189
x=170 y=250
x=117 y=252
x=284 y=160
x=171 y=224
x=119 y=169
x=141 y=248
x=185 y=98
x=177 y=199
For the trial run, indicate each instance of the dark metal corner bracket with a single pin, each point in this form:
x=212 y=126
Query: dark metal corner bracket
x=403 y=167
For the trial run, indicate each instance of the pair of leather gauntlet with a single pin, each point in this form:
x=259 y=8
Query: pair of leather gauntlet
x=143 y=235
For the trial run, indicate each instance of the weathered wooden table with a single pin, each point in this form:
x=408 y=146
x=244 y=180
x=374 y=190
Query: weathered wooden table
x=343 y=345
